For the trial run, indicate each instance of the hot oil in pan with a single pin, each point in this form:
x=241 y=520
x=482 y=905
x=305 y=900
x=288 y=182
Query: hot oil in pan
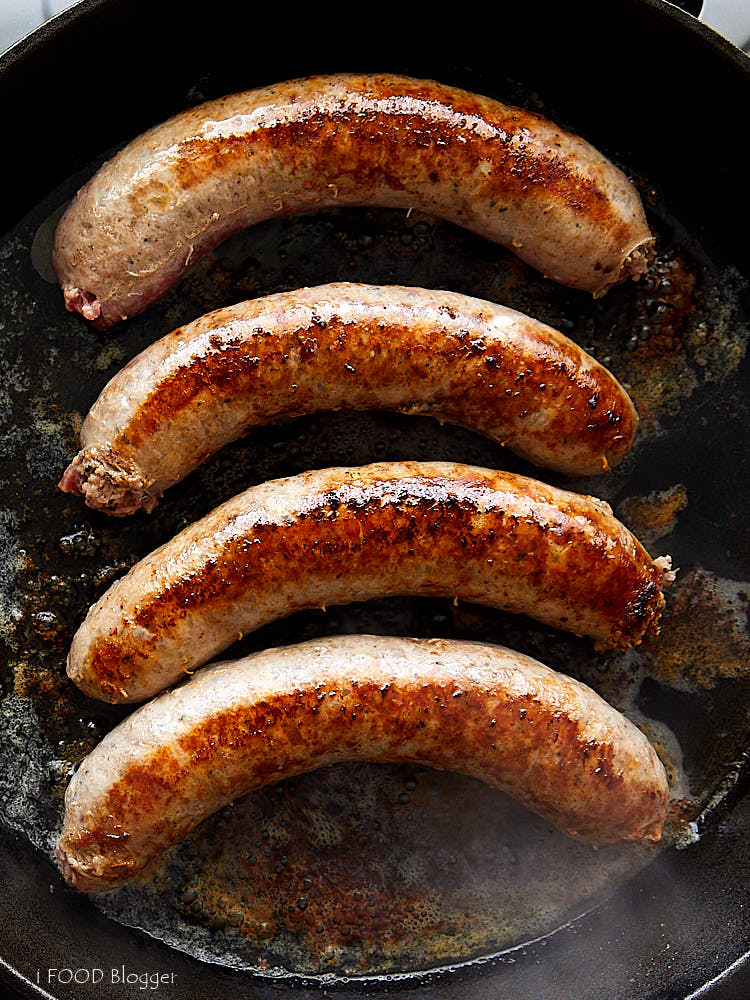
x=373 y=870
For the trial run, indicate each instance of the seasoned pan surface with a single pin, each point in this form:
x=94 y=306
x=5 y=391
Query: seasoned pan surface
x=378 y=871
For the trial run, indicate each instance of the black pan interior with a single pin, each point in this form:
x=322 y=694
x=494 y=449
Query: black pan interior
x=693 y=441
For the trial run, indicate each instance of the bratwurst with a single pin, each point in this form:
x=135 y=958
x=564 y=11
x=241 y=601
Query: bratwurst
x=186 y=185
x=351 y=534
x=457 y=358
x=482 y=710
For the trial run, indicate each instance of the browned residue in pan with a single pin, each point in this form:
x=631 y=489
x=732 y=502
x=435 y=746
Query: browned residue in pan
x=704 y=635
x=654 y=516
x=309 y=869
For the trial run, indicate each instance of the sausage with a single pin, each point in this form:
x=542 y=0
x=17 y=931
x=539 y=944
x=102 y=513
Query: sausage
x=471 y=707
x=184 y=186
x=457 y=358
x=351 y=534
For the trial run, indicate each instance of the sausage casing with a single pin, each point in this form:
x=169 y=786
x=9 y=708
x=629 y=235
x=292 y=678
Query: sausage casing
x=352 y=139
x=470 y=707
x=339 y=535
x=457 y=358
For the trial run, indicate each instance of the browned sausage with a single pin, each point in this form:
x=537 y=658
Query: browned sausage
x=357 y=139
x=457 y=358
x=463 y=706
x=341 y=535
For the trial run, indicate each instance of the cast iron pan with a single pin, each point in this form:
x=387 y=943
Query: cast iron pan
x=368 y=880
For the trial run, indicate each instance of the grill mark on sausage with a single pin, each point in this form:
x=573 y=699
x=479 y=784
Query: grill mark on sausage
x=469 y=707
x=272 y=731
x=373 y=129
x=410 y=350
x=260 y=365
x=439 y=537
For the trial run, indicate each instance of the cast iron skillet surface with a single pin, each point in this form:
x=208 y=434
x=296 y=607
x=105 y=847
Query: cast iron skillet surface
x=402 y=868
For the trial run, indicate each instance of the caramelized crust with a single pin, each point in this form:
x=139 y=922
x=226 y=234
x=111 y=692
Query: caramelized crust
x=351 y=139
x=470 y=707
x=350 y=534
x=457 y=358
